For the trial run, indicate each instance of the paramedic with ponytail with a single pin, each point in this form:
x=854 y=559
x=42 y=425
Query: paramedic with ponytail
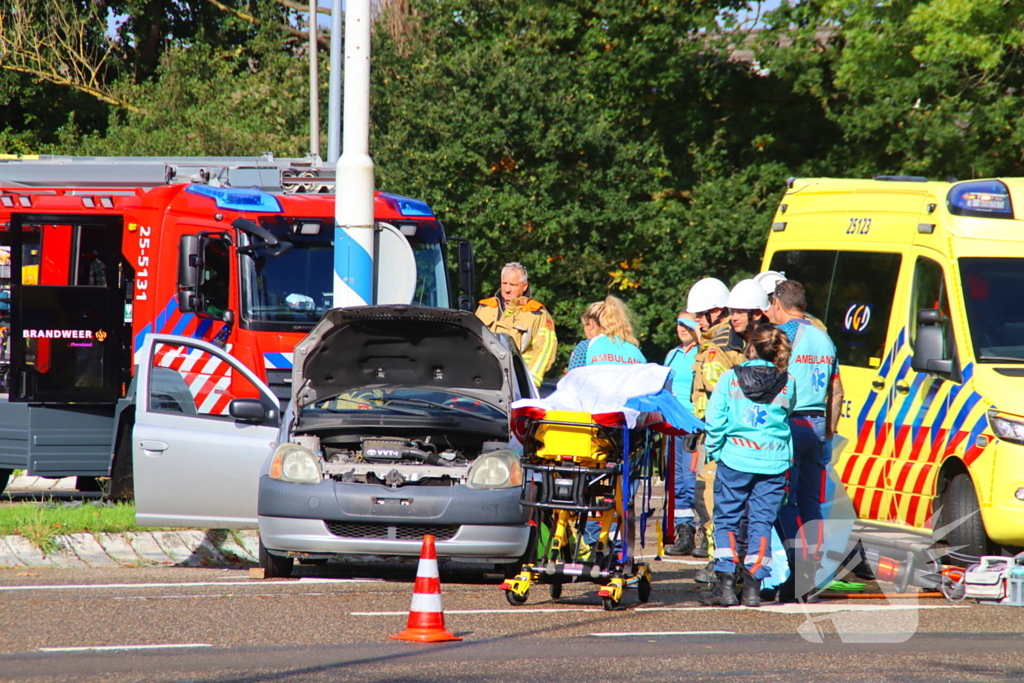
x=608 y=326
x=748 y=435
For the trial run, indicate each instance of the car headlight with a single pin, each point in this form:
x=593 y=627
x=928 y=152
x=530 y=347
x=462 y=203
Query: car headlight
x=294 y=463
x=1006 y=428
x=495 y=470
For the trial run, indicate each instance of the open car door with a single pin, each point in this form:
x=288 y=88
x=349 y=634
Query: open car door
x=195 y=464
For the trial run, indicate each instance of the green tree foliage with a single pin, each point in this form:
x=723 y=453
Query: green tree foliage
x=927 y=87
x=610 y=146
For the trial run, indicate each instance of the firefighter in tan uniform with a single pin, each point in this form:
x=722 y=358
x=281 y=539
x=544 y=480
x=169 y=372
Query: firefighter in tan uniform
x=717 y=353
x=511 y=311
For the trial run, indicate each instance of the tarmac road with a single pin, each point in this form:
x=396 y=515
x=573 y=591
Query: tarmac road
x=200 y=624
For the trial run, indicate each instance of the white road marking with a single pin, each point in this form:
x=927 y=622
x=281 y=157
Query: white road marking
x=815 y=608
x=698 y=563
x=108 y=648
x=630 y=634
x=525 y=610
x=257 y=582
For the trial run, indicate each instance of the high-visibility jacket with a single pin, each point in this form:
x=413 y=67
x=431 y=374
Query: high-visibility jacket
x=720 y=349
x=530 y=326
x=750 y=433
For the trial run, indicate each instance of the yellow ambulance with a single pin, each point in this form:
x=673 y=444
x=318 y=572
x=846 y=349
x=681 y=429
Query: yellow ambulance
x=921 y=286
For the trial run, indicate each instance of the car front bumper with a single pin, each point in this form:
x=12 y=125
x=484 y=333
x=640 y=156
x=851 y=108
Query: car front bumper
x=349 y=518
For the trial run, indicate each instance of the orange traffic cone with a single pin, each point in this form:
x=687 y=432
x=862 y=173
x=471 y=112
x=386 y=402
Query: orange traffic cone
x=426 y=615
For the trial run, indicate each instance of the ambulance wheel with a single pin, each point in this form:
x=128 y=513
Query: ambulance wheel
x=643 y=588
x=609 y=603
x=275 y=566
x=555 y=590
x=517 y=599
x=5 y=476
x=961 y=510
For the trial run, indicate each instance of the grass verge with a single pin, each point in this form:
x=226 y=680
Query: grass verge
x=42 y=523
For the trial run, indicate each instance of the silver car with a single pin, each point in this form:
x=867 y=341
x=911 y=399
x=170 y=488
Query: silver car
x=397 y=427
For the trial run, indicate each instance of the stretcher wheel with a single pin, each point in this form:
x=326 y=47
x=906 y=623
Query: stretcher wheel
x=556 y=590
x=609 y=603
x=643 y=588
x=517 y=599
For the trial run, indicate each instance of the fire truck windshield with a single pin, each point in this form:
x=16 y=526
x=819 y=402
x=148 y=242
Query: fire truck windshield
x=296 y=287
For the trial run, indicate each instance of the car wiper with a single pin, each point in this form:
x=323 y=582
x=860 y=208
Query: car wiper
x=379 y=404
x=1001 y=359
x=438 y=406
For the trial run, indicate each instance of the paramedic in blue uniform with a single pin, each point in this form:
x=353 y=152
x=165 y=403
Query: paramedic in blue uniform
x=748 y=435
x=813 y=422
x=608 y=327
x=680 y=361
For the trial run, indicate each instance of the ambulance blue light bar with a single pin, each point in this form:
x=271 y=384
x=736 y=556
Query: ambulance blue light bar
x=407 y=206
x=238 y=199
x=981 y=199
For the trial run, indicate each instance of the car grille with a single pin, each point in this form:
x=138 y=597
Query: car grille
x=393 y=532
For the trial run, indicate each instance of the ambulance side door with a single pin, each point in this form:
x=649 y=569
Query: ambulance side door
x=195 y=465
x=918 y=415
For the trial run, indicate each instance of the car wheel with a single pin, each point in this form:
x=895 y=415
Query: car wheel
x=5 y=476
x=960 y=508
x=275 y=566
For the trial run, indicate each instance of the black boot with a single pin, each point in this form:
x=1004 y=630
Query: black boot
x=751 y=590
x=724 y=592
x=706 y=574
x=684 y=540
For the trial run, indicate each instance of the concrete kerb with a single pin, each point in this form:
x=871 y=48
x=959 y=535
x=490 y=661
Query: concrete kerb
x=193 y=548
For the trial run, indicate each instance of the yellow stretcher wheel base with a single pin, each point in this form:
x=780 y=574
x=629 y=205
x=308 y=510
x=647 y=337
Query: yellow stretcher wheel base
x=610 y=603
x=517 y=599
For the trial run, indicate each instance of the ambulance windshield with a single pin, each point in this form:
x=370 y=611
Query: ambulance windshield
x=296 y=287
x=992 y=290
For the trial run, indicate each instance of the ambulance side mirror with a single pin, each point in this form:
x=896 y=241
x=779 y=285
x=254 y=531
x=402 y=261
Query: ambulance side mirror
x=930 y=344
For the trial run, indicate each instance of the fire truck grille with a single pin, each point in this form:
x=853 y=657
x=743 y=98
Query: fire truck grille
x=280 y=382
x=390 y=532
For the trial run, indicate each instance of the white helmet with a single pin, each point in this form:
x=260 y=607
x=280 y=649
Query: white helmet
x=747 y=295
x=769 y=279
x=706 y=294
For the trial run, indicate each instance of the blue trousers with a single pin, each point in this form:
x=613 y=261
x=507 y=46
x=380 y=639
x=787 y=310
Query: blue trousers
x=760 y=497
x=801 y=516
x=685 y=483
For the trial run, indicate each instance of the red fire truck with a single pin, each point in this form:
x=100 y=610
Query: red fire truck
x=104 y=251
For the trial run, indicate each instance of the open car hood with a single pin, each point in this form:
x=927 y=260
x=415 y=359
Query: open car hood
x=400 y=346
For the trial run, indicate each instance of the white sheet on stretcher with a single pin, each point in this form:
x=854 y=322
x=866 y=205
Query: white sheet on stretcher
x=597 y=389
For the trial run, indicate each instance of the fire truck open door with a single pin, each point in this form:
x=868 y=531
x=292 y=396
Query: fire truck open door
x=68 y=327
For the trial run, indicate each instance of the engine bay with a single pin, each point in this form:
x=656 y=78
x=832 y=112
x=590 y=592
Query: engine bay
x=439 y=459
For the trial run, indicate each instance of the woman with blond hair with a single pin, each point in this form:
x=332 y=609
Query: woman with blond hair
x=608 y=326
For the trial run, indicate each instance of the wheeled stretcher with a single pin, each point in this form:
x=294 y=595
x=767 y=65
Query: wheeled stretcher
x=581 y=473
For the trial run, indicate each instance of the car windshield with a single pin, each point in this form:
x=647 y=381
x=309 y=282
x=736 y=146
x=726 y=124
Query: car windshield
x=297 y=286
x=991 y=290
x=401 y=401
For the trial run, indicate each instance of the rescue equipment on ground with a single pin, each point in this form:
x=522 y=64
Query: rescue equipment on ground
x=993 y=580
x=426 y=614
